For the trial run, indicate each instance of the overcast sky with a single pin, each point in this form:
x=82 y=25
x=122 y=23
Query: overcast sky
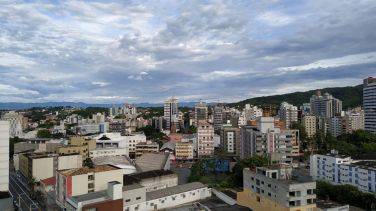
x=146 y=51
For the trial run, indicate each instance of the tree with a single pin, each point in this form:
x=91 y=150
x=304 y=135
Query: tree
x=319 y=135
x=222 y=157
x=303 y=135
x=58 y=135
x=89 y=163
x=69 y=132
x=205 y=180
x=44 y=134
x=248 y=162
x=32 y=182
x=12 y=141
x=218 y=132
x=329 y=139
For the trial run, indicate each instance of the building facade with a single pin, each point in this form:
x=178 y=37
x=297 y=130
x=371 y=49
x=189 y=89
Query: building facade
x=369 y=104
x=230 y=140
x=108 y=152
x=15 y=123
x=205 y=139
x=146 y=147
x=170 y=109
x=288 y=113
x=201 y=111
x=326 y=105
x=309 y=122
x=184 y=149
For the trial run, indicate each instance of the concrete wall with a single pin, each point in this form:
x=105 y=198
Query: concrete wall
x=42 y=168
x=102 y=178
x=80 y=184
x=156 y=183
x=69 y=162
x=16 y=162
x=132 y=195
x=223 y=197
x=6 y=204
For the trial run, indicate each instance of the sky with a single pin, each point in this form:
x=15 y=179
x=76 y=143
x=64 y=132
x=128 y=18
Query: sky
x=126 y=51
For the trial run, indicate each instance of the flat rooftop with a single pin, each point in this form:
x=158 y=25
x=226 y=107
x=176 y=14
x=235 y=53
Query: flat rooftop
x=174 y=190
x=152 y=161
x=369 y=165
x=86 y=170
x=326 y=204
x=5 y=194
x=129 y=179
x=37 y=155
x=89 y=196
x=132 y=187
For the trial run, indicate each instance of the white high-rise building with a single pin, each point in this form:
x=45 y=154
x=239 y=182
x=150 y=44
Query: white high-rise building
x=252 y=112
x=4 y=155
x=98 y=118
x=15 y=123
x=170 y=109
x=201 y=111
x=288 y=113
x=369 y=104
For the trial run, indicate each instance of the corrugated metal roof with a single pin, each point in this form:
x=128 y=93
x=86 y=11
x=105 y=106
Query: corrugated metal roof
x=174 y=190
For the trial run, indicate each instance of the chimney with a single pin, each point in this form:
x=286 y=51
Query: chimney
x=115 y=190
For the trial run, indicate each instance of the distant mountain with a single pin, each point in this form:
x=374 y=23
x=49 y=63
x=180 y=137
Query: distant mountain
x=11 y=105
x=351 y=97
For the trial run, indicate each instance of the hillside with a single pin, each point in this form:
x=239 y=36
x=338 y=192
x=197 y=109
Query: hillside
x=351 y=97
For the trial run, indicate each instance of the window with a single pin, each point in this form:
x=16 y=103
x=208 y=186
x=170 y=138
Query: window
x=128 y=200
x=151 y=204
x=269 y=194
x=138 y=198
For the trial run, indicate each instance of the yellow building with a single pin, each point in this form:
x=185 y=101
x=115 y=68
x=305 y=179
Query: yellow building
x=184 y=149
x=274 y=189
x=309 y=123
x=78 y=145
x=78 y=141
x=295 y=140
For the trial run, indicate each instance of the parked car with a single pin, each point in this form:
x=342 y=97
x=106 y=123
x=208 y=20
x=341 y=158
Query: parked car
x=32 y=196
x=307 y=167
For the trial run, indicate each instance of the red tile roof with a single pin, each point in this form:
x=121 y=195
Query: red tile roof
x=49 y=181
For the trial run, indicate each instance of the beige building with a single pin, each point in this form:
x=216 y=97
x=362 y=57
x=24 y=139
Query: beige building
x=205 y=139
x=146 y=147
x=184 y=149
x=295 y=140
x=78 y=181
x=230 y=140
x=309 y=123
x=43 y=165
x=78 y=145
x=15 y=123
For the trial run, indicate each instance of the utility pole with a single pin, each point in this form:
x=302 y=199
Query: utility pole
x=19 y=200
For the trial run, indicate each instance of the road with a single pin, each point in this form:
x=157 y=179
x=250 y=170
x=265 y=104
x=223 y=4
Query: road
x=183 y=174
x=16 y=189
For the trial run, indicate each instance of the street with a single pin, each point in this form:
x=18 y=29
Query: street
x=27 y=203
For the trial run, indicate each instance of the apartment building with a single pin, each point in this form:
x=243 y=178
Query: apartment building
x=353 y=169
x=6 y=199
x=44 y=165
x=205 y=139
x=276 y=188
x=170 y=109
x=269 y=109
x=15 y=123
x=146 y=147
x=98 y=118
x=201 y=111
x=309 y=122
x=230 y=140
x=252 y=112
x=288 y=113
x=245 y=134
x=113 y=111
x=217 y=122
x=295 y=141
x=78 y=181
x=325 y=105
x=91 y=128
x=184 y=149
x=369 y=103
x=78 y=145
x=117 y=140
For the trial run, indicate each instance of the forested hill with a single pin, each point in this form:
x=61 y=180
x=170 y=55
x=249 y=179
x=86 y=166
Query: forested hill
x=351 y=97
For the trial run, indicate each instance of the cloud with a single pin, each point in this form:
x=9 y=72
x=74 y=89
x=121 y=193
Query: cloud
x=135 y=78
x=82 y=50
x=101 y=83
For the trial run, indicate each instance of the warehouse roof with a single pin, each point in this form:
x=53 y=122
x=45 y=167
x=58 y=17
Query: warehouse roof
x=174 y=190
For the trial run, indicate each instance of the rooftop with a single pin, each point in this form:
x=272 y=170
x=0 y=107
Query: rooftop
x=5 y=194
x=49 y=181
x=89 y=196
x=37 y=155
x=174 y=190
x=152 y=161
x=370 y=165
x=137 y=177
x=86 y=170
x=147 y=143
x=326 y=204
x=132 y=187
x=112 y=160
x=169 y=145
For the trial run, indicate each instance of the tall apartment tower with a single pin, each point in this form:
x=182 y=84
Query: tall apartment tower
x=170 y=109
x=288 y=113
x=326 y=105
x=369 y=104
x=15 y=123
x=217 y=118
x=113 y=111
x=201 y=111
x=205 y=139
x=4 y=158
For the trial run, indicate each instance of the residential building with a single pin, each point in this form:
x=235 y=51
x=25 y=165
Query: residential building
x=15 y=123
x=201 y=111
x=295 y=141
x=369 y=104
x=43 y=165
x=276 y=188
x=91 y=128
x=245 y=136
x=177 y=120
x=326 y=105
x=153 y=161
x=42 y=144
x=152 y=180
x=184 y=149
x=270 y=109
x=354 y=169
x=108 y=152
x=78 y=181
x=170 y=109
x=306 y=108
x=6 y=199
x=98 y=118
x=230 y=140
x=47 y=189
x=111 y=199
x=78 y=145
x=128 y=110
x=168 y=147
x=113 y=111
x=117 y=127
x=174 y=137
x=309 y=122
x=117 y=140
x=205 y=137
x=146 y=147
x=25 y=122
x=252 y=112
x=217 y=118
x=326 y=125
x=288 y=113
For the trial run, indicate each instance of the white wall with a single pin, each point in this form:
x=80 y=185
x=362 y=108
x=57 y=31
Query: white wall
x=4 y=155
x=80 y=184
x=102 y=178
x=69 y=162
x=43 y=168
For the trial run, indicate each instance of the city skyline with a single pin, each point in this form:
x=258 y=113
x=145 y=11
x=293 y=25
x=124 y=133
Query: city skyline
x=126 y=51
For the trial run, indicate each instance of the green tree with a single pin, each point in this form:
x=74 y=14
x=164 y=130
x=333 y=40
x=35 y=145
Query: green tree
x=249 y=162
x=303 y=135
x=218 y=132
x=329 y=139
x=89 y=163
x=13 y=141
x=367 y=148
x=205 y=180
x=319 y=136
x=58 y=135
x=44 y=134
x=32 y=182
x=222 y=157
